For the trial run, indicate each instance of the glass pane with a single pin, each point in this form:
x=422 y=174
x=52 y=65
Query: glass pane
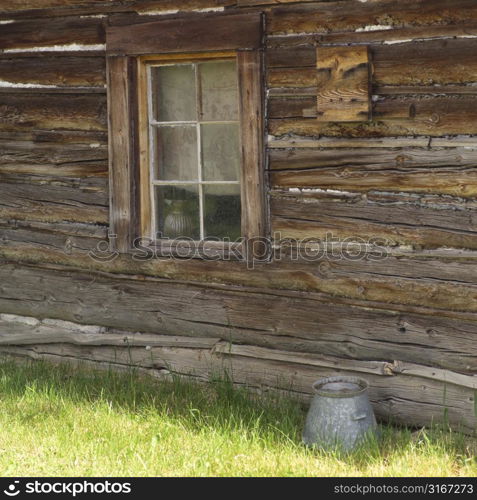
x=176 y=153
x=219 y=89
x=222 y=211
x=220 y=152
x=178 y=211
x=173 y=93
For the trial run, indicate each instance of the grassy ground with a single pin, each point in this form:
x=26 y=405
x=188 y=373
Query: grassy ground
x=57 y=421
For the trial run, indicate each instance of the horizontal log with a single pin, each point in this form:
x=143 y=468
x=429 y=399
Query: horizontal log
x=324 y=17
x=18 y=9
x=298 y=323
x=258 y=367
x=460 y=182
x=386 y=218
x=432 y=116
x=61 y=228
x=52 y=31
x=94 y=138
x=48 y=111
x=52 y=159
x=52 y=203
x=419 y=63
x=391 y=158
x=372 y=142
x=60 y=71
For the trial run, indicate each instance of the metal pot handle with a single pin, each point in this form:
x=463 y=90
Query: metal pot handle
x=359 y=417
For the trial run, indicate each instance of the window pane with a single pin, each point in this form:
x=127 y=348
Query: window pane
x=219 y=91
x=178 y=211
x=220 y=152
x=173 y=93
x=222 y=211
x=176 y=153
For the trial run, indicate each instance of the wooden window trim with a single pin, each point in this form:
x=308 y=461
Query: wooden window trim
x=128 y=49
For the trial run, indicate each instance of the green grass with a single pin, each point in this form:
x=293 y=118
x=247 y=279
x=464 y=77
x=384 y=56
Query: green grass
x=61 y=421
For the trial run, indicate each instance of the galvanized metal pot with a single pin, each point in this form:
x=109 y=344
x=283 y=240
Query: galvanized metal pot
x=340 y=414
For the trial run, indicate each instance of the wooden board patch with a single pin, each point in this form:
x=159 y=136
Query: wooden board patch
x=343 y=84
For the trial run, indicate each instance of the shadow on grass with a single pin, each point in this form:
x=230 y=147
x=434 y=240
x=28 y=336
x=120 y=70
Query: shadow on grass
x=275 y=418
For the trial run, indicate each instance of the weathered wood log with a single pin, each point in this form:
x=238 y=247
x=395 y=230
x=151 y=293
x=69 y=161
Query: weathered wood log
x=18 y=9
x=303 y=323
x=391 y=158
x=332 y=16
x=387 y=219
x=444 y=298
x=432 y=116
x=51 y=32
x=52 y=203
x=47 y=111
x=415 y=64
x=460 y=182
x=94 y=138
x=52 y=159
x=80 y=70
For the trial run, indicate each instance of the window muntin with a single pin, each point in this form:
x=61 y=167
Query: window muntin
x=194 y=149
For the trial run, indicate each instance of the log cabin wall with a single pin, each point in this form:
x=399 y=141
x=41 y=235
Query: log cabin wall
x=403 y=183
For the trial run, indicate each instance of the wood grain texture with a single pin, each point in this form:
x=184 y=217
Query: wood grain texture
x=433 y=116
x=121 y=151
x=324 y=17
x=389 y=222
x=257 y=317
x=63 y=71
x=254 y=224
x=20 y=9
x=53 y=203
x=50 y=32
x=199 y=33
x=344 y=84
x=36 y=111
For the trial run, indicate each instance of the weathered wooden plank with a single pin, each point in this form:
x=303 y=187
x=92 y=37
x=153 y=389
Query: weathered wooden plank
x=414 y=64
x=324 y=17
x=94 y=138
x=48 y=111
x=299 y=323
x=254 y=223
x=412 y=157
x=18 y=9
x=388 y=219
x=238 y=31
x=52 y=203
x=432 y=116
x=460 y=182
x=63 y=71
x=51 y=32
x=120 y=151
x=373 y=142
x=52 y=159
x=344 y=84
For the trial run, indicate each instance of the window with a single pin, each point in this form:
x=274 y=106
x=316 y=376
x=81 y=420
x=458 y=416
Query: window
x=194 y=148
x=186 y=130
